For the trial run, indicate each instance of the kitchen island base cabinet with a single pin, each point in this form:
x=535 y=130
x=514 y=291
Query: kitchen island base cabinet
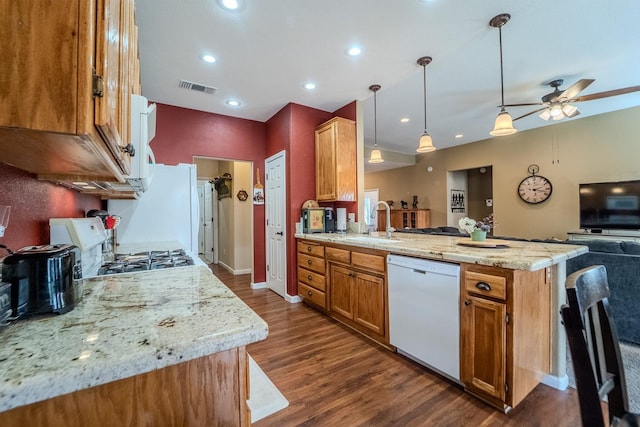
x=358 y=291
x=311 y=274
x=209 y=391
x=505 y=332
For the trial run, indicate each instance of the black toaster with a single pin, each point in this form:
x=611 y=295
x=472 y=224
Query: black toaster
x=41 y=279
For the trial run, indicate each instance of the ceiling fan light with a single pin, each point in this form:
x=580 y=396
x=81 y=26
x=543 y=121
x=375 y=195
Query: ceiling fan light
x=557 y=118
x=556 y=110
x=569 y=110
x=503 y=125
x=376 y=156
x=426 y=144
x=545 y=115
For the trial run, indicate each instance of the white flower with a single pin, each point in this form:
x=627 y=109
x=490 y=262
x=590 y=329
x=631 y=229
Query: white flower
x=467 y=224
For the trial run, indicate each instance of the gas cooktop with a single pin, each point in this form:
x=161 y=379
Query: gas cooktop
x=150 y=260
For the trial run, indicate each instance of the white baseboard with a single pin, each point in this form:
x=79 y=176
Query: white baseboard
x=293 y=299
x=259 y=285
x=559 y=383
x=232 y=271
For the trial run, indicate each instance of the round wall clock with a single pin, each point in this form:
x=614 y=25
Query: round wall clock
x=534 y=189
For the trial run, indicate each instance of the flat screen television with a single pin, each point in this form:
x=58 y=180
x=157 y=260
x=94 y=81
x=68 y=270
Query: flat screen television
x=610 y=205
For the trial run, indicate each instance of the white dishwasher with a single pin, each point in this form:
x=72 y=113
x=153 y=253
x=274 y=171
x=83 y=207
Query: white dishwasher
x=424 y=320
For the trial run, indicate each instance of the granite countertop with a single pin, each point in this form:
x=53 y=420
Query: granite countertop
x=517 y=255
x=125 y=325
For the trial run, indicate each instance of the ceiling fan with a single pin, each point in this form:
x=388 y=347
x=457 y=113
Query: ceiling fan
x=558 y=104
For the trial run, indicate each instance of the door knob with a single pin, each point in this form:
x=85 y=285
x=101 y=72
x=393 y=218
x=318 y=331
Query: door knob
x=279 y=233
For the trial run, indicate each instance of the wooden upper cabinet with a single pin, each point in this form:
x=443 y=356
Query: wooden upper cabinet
x=66 y=90
x=336 y=173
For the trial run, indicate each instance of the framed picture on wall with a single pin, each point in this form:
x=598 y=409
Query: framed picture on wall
x=457 y=201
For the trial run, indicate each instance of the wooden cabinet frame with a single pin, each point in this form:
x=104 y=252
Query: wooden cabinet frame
x=505 y=332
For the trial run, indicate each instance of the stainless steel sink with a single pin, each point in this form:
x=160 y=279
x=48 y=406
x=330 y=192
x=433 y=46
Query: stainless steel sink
x=368 y=239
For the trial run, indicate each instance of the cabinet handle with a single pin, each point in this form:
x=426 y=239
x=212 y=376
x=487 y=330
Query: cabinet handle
x=309 y=293
x=308 y=248
x=467 y=302
x=130 y=150
x=483 y=286
x=309 y=262
x=309 y=277
x=352 y=274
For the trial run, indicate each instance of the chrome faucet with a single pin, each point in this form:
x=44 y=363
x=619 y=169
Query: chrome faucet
x=389 y=228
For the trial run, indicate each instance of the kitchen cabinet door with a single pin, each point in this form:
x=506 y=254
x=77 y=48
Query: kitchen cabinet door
x=336 y=174
x=483 y=347
x=342 y=293
x=369 y=308
x=65 y=109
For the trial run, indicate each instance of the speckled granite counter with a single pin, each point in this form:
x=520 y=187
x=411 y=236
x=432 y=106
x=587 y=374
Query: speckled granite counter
x=517 y=255
x=125 y=325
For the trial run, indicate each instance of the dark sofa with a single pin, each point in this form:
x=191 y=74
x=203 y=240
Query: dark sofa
x=622 y=261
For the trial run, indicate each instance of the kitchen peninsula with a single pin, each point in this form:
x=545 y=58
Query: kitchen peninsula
x=511 y=337
x=153 y=348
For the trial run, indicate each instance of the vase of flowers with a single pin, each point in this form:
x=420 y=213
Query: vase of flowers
x=476 y=229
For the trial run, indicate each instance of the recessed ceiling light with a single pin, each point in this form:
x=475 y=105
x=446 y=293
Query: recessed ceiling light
x=459 y=135
x=233 y=103
x=231 y=5
x=209 y=58
x=354 y=51
x=310 y=86
x=404 y=120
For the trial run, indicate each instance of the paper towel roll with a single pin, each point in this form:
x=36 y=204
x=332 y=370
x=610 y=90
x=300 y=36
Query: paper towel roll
x=341 y=219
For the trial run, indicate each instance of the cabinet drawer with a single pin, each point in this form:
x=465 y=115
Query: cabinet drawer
x=311 y=249
x=315 y=296
x=312 y=279
x=368 y=261
x=311 y=263
x=339 y=255
x=486 y=284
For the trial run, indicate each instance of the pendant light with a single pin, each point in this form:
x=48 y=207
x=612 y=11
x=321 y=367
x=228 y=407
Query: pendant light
x=504 y=124
x=426 y=144
x=376 y=155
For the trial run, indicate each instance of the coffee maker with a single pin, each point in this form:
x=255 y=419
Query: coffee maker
x=329 y=220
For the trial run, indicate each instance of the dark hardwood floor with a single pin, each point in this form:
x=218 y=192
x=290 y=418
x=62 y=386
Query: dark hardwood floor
x=333 y=376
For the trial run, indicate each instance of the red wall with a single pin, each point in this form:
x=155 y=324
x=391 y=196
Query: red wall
x=293 y=129
x=182 y=133
x=33 y=202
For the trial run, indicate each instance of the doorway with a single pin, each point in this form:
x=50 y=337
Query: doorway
x=470 y=194
x=276 y=232
x=370 y=212
x=232 y=224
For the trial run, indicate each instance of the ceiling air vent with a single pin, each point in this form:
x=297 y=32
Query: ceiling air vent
x=185 y=84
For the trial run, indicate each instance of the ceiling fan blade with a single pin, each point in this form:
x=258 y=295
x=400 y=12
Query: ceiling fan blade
x=607 y=94
x=523 y=105
x=575 y=89
x=530 y=113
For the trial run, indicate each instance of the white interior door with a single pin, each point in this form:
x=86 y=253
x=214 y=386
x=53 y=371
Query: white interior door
x=208 y=222
x=201 y=219
x=275 y=209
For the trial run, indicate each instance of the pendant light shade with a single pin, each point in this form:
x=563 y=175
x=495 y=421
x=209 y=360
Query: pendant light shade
x=426 y=144
x=376 y=155
x=504 y=123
